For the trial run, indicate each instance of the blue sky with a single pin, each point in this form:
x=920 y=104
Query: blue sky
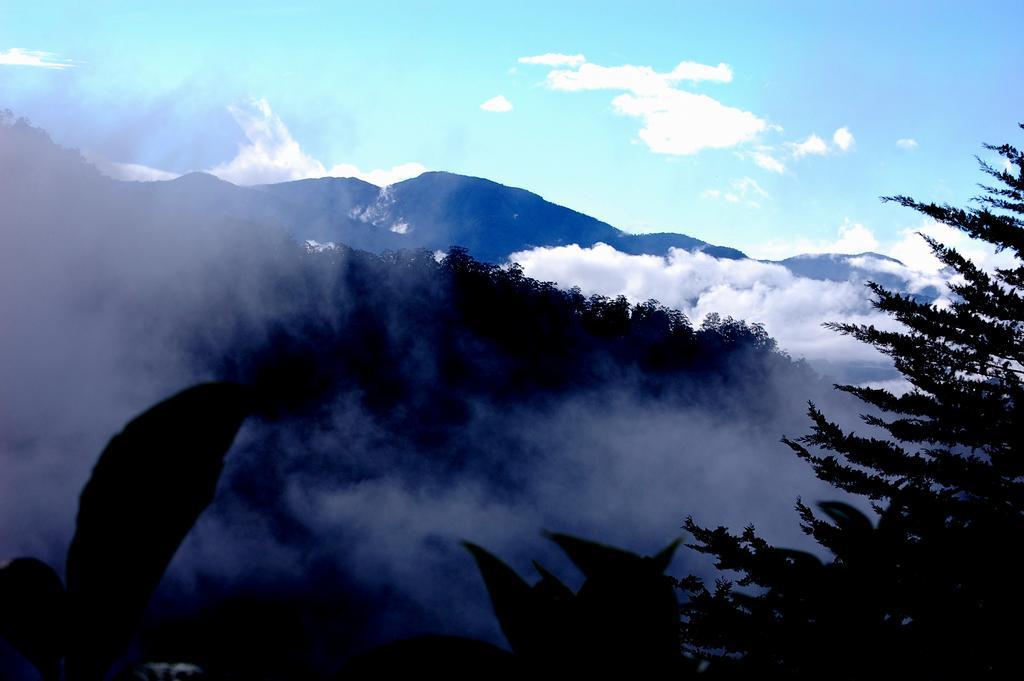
x=725 y=129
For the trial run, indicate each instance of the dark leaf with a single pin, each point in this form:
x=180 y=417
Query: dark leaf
x=145 y=494
x=512 y=599
x=551 y=586
x=662 y=559
x=33 y=613
x=595 y=559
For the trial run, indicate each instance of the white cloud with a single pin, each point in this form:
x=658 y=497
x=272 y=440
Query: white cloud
x=497 y=104
x=816 y=146
x=843 y=138
x=271 y=154
x=813 y=145
x=852 y=238
x=692 y=71
x=914 y=251
x=675 y=121
x=682 y=123
x=596 y=77
x=906 y=143
x=554 y=59
x=17 y=56
x=382 y=177
x=678 y=122
x=766 y=161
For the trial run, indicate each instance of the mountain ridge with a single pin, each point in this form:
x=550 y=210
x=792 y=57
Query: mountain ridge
x=435 y=211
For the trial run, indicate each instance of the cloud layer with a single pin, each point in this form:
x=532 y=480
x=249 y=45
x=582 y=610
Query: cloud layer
x=792 y=308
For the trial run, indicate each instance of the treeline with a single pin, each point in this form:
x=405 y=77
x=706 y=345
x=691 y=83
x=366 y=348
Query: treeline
x=405 y=328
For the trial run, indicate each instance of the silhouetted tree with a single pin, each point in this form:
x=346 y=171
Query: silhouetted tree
x=931 y=590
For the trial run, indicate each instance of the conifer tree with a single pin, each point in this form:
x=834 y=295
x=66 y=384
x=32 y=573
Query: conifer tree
x=931 y=588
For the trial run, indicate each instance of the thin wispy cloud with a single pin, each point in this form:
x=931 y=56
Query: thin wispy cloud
x=554 y=59
x=674 y=121
x=906 y=143
x=744 y=191
x=18 y=56
x=765 y=160
x=499 y=104
x=130 y=172
x=641 y=80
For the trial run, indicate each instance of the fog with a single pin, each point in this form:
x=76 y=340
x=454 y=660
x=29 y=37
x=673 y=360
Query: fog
x=343 y=501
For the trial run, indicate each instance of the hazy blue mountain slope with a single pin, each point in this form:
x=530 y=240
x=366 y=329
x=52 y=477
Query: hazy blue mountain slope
x=867 y=266
x=434 y=211
x=438 y=210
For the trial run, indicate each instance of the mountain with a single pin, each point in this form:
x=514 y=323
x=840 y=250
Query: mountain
x=438 y=210
x=434 y=211
x=867 y=266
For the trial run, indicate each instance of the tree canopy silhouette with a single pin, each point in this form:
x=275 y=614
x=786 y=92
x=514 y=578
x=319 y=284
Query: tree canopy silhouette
x=929 y=590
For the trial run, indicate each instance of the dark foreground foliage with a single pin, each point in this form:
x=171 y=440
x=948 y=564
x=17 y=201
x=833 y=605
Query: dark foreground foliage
x=146 y=491
x=420 y=341
x=154 y=479
x=623 y=621
x=929 y=590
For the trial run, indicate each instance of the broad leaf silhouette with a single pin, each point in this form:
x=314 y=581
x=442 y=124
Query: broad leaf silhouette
x=33 y=613
x=593 y=558
x=624 y=620
x=147 y=490
x=512 y=598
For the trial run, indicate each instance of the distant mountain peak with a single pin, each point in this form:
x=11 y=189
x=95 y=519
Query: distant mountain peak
x=199 y=179
x=841 y=257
